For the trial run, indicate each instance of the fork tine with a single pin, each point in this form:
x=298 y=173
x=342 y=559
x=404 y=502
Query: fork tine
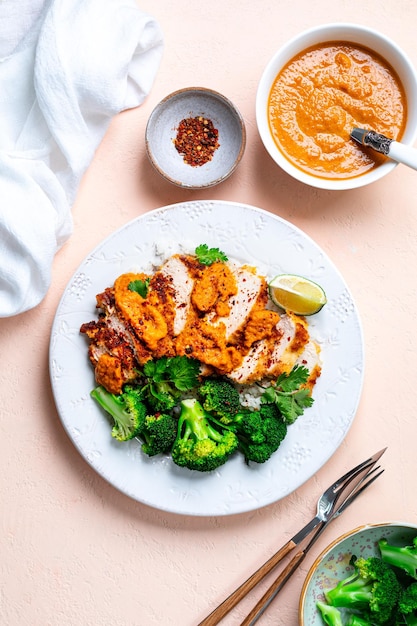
x=351 y=480
x=339 y=490
x=364 y=484
x=353 y=472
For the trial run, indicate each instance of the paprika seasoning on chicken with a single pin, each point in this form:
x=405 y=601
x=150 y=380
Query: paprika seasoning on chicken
x=196 y=140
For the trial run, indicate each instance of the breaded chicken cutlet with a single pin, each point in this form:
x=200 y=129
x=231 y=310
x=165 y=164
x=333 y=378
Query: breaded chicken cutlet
x=219 y=314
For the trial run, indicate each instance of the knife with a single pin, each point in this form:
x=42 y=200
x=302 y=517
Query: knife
x=393 y=149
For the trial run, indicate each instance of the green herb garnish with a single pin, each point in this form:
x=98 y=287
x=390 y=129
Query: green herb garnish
x=167 y=378
x=181 y=371
x=208 y=256
x=288 y=394
x=140 y=286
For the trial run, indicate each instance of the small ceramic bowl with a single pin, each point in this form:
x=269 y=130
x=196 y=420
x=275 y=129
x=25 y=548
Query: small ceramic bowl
x=163 y=126
x=333 y=563
x=339 y=32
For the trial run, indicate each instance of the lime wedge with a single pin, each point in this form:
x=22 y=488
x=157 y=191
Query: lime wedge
x=297 y=294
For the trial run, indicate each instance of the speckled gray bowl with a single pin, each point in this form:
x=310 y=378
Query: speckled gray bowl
x=162 y=128
x=333 y=563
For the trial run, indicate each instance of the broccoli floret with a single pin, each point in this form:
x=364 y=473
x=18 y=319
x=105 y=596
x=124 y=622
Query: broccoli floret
x=161 y=398
x=260 y=433
x=201 y=444
x=220 y=397
x=407 y=604
x=372 y=587
x=158 y=433
x=131 y=419
x=357 y=620
x=249 y=425
x=330 y=614
x=127 y=411
x=403 y=557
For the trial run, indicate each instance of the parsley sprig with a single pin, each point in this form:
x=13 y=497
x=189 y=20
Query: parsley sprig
x=208 y=256
x=289 y=395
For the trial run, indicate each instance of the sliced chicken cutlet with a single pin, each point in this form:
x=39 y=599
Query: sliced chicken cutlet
x=250 y=289
x=295 y=337
x=300 y=349
x=218 y=314
x=113 y=349
x=132 y=329
x=310 y=358
x=290 y=344
x=176 y=273
x=264 y=356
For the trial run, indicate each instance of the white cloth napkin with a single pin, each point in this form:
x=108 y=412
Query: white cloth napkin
x=66 y=68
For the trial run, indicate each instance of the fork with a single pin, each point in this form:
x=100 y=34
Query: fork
x=285 y=575
x=344 y=491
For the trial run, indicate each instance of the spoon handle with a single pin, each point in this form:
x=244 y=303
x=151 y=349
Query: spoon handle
x=403 y=154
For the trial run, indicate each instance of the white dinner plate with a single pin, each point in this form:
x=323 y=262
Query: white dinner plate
x=250 y=235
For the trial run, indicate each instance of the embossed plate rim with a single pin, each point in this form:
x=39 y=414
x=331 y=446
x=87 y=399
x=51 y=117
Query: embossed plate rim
x=252 y=235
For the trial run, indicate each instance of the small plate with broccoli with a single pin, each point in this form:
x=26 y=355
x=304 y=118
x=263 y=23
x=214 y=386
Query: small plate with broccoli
x=366 y=577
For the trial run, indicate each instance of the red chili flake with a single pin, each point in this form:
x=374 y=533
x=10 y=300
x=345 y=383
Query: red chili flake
x=196 y=140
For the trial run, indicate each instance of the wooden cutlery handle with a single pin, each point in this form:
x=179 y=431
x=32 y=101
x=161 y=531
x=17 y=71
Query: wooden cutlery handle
x=237 y=595
x=272 y=591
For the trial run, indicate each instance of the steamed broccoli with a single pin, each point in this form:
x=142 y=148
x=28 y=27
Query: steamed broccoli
x=330 y=614
x=248 y=425
x=131 y=419
x=333 y=617
x=220 y=397
x=260 y=432
x=372 y=587
x=127 y=410
x=403 y=557
x=158 y=433
x=357 y=620
x=407 y=604
x=201 y=443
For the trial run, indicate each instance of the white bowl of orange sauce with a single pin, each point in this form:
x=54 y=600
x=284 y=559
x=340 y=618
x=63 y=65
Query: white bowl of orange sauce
x=318 y=87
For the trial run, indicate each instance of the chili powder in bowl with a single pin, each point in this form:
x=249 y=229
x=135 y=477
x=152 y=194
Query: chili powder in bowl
x=195 y=138
x=318 y=87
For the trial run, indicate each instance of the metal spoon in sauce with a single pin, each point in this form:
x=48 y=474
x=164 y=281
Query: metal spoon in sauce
x=393 y=149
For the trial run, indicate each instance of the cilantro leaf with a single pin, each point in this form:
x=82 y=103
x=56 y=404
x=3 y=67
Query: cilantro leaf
x=293 y=406
x=139 y=286
x=166 y=378
x=208 y=256
x=289 y=395
x=292 y=381
x=183 y=372
x=156 y=370
x=180 y=371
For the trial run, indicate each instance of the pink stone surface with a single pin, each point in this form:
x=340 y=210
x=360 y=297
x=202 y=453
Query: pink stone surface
x=74 y=551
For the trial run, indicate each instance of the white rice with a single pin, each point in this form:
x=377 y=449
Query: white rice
x=250 y=395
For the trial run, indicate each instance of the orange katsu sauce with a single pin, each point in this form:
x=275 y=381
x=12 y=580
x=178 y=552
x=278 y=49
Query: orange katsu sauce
x=321 y=95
